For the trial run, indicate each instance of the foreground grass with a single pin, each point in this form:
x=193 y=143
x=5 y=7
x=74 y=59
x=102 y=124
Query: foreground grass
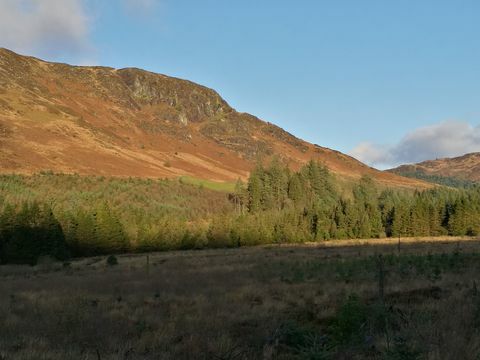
x=254 y=303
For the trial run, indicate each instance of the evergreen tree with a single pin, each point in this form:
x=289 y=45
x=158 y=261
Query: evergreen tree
x=279 y=178
x=386 y=206
x=6 y=226
x=401 y=219
x=109 y=231
x=296 y=189
x=239 y=197
x=255 y=189
x=51 y=235
x=86 y=242
x=458 y=224
x=30 y=233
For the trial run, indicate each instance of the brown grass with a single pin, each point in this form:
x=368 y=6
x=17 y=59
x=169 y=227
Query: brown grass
x=238 y=303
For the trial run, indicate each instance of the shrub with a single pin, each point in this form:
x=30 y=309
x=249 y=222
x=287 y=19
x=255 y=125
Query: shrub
x=348 y=327
x=112 y=260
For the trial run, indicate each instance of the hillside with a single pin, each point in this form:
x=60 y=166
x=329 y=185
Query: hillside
x=131 y=122
x=464 y=169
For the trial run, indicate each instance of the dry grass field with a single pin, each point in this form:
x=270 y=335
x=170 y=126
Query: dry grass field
x=337 y=300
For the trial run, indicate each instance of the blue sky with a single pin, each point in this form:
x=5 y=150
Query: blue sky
x=380 y=79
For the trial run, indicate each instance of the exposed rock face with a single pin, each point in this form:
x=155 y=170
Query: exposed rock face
x=130 y=122
x=198 y=103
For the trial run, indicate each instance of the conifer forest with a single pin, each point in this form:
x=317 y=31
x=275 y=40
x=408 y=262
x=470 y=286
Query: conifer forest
x=71 y=216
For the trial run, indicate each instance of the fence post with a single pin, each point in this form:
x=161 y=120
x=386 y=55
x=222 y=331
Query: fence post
x=381 y=295
x=381 y=278
x=148 y=264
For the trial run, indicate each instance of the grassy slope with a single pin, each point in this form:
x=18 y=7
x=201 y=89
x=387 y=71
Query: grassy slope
x=253 y=303
x=130 y=122
x=133 y=200
x=208 y=184
x=70 y=191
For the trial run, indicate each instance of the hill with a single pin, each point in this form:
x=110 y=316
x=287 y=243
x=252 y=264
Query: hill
x=131 y=122
x=458 y=171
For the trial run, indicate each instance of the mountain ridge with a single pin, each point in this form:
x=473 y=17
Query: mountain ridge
x=133 y=122
x=464 y=167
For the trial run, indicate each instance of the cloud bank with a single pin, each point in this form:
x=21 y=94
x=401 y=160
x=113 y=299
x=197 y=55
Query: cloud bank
x=44 y=27
x=445 y=139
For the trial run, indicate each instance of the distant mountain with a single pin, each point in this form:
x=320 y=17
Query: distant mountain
x=131 y=122
x=458 y=171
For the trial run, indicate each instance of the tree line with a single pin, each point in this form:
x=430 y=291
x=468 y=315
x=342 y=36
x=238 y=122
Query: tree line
x=276 y=205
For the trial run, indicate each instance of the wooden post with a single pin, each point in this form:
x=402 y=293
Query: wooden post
x=148 y=264
x=381 y=278
x=381 y=296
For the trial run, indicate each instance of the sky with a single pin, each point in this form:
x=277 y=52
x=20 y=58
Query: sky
x=386 y=81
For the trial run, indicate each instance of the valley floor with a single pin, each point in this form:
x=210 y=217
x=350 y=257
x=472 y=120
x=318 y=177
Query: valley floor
x=337 y=300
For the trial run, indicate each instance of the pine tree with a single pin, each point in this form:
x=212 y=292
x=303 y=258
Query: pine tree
x=401 y=219
x=458 y=219
x=86 y=236
x=30 y=233
x=386 y=205
x=255 y=190
x=22 y=245
x=239 y=196
x=70 y=226
x=109 y=231
x=7 y=220
x=340 y=221
x=296 y=190
x=375 y=220
x=279 y=177
x=267 y=195
x=51 y=235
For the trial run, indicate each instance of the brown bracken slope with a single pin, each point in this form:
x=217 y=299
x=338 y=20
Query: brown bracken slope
x=465 y=167
x=131 y=122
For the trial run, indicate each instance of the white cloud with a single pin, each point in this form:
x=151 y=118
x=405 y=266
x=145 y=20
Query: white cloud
x=445 y=139
x=44 y=27
x=370 y=153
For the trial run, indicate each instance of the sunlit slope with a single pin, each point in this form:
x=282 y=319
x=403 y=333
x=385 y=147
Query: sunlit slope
x=464 y=168
x=130 y=122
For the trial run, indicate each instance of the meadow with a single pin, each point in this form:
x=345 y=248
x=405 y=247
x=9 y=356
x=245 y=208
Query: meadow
x=369 y=299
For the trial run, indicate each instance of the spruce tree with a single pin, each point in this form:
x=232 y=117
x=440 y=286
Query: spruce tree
x=51 y=235
x=7 y=221
x=86 y=236
x=279 y=176
x=255 y=190
x=296 y=190
x=109 y=231
x=239 y=196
